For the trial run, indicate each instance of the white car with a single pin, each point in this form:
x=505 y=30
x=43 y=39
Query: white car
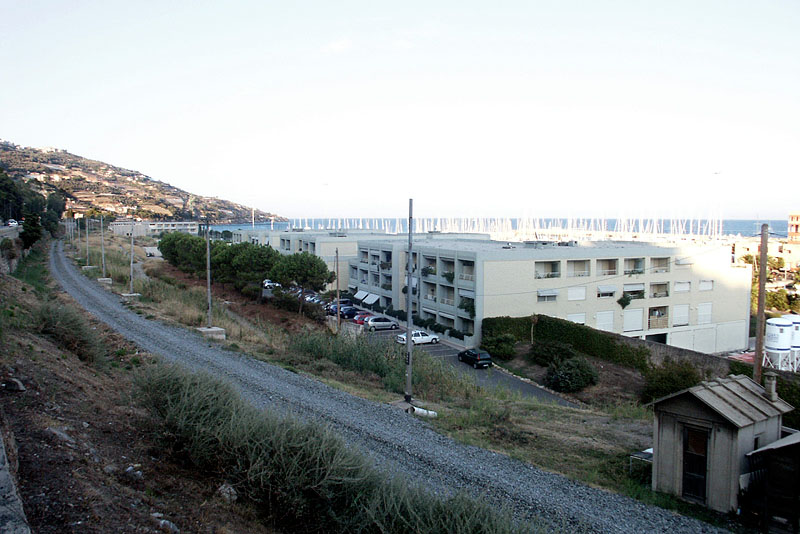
x=418 y=337
x=12 y=222
x=269 y=284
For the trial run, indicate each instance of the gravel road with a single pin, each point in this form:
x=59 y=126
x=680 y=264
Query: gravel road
x=399 y=443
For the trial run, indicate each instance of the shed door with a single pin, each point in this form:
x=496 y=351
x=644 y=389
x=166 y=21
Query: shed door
x=695 y=463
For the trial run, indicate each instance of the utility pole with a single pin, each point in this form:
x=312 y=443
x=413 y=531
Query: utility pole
x=409 y=319
x=131 y=288
x=762 y=297
x=208 y=269
x=338 y=312
x=103 y=245
x=87 y=241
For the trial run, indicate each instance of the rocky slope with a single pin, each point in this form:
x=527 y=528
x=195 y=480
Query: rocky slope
x=88 y=184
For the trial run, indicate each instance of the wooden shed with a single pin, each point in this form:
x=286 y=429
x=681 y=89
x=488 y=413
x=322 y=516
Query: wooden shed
x=701 y=437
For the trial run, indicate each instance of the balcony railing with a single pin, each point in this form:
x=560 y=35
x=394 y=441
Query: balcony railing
x=465 y=276
x=634 y=271
x=659 y=294
x=448 y=302
x=660 y=269
x=608 y=272
x=575 y=274
x=430 y=297
x=658 y=322
x=555 y=274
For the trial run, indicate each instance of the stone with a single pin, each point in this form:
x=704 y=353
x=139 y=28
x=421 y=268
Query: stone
x=14 y=384
x=110 y=469
x=168 y=526
x=212 y=332
x=133 y=473
x=60 y=435
x=228 y=493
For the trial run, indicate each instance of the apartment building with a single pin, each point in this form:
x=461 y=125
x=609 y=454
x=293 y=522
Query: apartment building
x=146 y=228
x=693 y=297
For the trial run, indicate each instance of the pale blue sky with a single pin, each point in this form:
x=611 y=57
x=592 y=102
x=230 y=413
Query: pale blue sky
x=561 y=108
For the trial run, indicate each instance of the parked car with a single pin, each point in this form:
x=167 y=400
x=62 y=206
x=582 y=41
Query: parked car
x=361 y=317
x=348 y=312
x=380 y=323
x=269 y=284
x=12 y=222
x=478 y=358
x=418 y=337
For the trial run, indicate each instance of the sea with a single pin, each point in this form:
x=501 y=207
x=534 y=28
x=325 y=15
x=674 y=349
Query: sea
x=729 y=227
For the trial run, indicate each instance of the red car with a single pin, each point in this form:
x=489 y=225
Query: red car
x=359 y=319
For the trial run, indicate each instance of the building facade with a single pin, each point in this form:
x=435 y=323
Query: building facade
x=693 y=298
x=149 y=228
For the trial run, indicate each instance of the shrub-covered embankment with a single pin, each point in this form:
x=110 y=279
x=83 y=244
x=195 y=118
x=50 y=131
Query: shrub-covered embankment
x=299 y=474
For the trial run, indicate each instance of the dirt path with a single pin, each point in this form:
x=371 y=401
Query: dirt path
x=399 y=443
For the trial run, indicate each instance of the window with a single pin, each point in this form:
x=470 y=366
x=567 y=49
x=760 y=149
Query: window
x=704 y=313
x=680 y=315
x=605 y=292
x=633 y=320
x=605 y=321
x=682 y=287
x=579 y=318
x=634 y=291
x=576 y=293
x=705 y=285
x=547 y=295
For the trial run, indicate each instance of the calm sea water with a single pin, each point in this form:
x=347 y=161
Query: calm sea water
x=743 y=227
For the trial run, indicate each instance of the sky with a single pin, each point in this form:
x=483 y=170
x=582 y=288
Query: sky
x=347 y=109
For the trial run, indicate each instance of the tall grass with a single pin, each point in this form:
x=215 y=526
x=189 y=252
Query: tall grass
x=69 y=330
x=300 y=475
x=432 y=379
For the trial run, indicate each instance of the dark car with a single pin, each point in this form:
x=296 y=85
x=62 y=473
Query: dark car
x=348 y=312
x=478 y=358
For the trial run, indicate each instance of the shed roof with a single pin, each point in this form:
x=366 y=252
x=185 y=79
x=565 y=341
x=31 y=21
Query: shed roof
x=791 y=439
x=737 y=398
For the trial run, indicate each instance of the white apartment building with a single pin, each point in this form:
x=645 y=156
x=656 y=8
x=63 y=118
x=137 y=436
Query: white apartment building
x=146 y=228
x=690 y=297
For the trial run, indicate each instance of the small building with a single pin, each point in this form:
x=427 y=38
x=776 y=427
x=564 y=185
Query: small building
x=702 y=435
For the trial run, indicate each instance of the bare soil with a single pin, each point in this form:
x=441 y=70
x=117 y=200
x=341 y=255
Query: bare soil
x=75 y=430
x=615 y=383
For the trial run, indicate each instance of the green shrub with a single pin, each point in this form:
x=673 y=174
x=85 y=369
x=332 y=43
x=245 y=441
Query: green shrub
x=455 y=333
x=303 y=474
x=500 y=346
x=670 y=377
x=69 y=330
x=7 y=249
x=570 y=375
x=545 y=353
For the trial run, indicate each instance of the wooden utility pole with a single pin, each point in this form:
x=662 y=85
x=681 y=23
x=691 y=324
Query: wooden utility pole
x=758 y=360
x=103 y=245
x=131 y=288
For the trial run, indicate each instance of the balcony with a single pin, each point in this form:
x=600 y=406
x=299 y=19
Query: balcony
x=577 y=268
x=448 y=302
x=607 y=272
x=657 y=322
x=548 y=275
x=469 y=277
x=429 y=297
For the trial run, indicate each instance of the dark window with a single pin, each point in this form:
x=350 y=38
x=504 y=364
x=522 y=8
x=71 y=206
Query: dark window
x=695 y=463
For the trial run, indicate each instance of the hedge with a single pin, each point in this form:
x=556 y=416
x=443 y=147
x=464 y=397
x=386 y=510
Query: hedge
x=595 y=343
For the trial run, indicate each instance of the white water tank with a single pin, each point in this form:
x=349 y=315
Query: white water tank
x=778 y=344
x=795 y=319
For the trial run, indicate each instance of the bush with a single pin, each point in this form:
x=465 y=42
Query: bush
x=455 y=333
x=69 y=330
x=671 y=376
x=571 y=375
x=304 y=474
x=7 y=249
x=500 y=346
x=545 y=353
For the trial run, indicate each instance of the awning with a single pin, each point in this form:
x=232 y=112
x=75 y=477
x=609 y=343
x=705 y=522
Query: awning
x=429 y=310
x=633 y=287
x=371 y=299
x=467 y=293
x=547 y=292
x=606 y=289
x=446 y=315
x=360 y=295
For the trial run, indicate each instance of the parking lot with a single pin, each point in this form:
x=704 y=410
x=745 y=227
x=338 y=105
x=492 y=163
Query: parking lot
x=491 y=377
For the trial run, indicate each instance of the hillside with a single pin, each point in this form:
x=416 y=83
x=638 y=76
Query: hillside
x=88 y=184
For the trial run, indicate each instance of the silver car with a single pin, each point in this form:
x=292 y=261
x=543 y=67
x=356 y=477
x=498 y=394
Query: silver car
x=380 y=323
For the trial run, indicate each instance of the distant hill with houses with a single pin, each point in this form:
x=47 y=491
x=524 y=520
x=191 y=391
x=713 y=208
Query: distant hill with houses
x=94 y=185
